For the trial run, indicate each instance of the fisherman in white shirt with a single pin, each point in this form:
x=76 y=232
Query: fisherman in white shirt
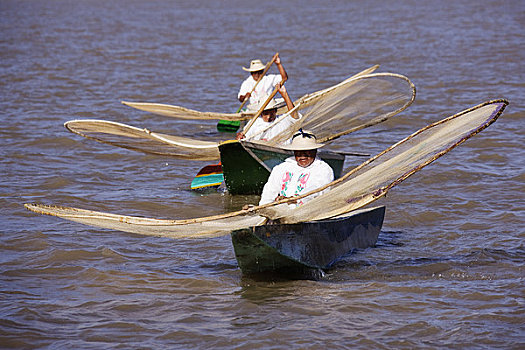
x=264 y=87
x=261 y=130
x=300 y=174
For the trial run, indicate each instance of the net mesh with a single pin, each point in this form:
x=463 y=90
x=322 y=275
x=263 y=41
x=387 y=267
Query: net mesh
x=192 y=228
x=359 y=187
x=143 y=140
x=185 y=113
x=354 y=104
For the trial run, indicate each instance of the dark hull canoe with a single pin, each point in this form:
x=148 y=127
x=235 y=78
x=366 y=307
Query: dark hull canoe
x=246 y=166
x=305 y=250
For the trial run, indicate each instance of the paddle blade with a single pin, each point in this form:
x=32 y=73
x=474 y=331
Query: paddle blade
x=207 y=177
x=228 y=125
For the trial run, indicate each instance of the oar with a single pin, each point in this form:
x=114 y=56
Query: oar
x=233 y=125
x=259 y=112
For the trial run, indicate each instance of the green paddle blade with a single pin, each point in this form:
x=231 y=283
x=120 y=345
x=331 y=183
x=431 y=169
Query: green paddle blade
x=228 y=125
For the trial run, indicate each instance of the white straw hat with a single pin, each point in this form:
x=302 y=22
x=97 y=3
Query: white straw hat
x=255 y=66
x=302 y=141
x=275 y=103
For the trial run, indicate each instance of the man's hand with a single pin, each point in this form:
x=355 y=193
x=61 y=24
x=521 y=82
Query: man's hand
x=281 y=197
x=244 y=97
x=277 y=59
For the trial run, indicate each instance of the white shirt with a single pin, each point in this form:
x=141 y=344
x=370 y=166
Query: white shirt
x=290 y=179
x=253 y=133
x=261 y=92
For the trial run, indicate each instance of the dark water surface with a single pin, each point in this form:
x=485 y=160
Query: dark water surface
x=447 y=272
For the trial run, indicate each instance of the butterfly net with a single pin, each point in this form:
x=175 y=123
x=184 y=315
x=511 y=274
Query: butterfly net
x=143 y=140
x=359 y=187
x=372 y=179
x=185 y=113
x=354 y=104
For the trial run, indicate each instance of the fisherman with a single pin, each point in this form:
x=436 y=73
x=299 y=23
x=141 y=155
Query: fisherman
x=300 y=174
x=265 y=86
x=264 y=128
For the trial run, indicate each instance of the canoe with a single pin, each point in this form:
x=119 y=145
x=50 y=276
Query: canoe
x=305 y=250
x=246 y=166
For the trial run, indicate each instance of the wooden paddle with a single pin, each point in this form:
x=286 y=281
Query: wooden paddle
x=233 y=125
x=259 y=112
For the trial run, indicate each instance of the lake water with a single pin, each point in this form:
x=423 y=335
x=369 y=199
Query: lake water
x=447 y=271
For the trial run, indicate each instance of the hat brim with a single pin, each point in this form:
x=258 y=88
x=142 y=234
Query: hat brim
x=253 y=70
x=277 y=106
x=302 y=148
